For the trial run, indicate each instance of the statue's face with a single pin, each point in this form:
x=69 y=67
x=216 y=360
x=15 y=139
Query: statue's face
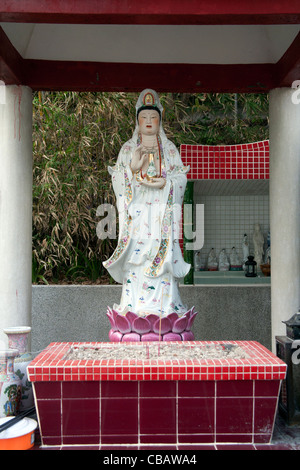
x=149 y=122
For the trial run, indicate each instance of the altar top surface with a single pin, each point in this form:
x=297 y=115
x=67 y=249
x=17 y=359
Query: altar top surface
x=51 y=365
x=193 y=46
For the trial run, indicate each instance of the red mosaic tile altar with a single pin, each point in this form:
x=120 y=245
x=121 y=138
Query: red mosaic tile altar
x=137 y=403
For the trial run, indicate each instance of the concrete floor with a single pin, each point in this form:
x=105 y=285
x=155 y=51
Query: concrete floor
x=285 y=437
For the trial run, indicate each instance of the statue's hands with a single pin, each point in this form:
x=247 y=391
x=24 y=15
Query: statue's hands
x=138 y=159
x=157 y=183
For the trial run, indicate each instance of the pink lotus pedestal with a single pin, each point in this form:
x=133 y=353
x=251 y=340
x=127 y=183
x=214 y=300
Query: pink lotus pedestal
x=138 y=404
x=131 y=327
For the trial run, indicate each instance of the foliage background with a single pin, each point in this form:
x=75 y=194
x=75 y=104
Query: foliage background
x=77 y=135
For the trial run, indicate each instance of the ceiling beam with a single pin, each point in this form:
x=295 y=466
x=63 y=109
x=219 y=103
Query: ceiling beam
x=116 y=77
x=151 y=11
x=12 y=65
x=93 y=76
x=113 y=77
x=288 y=67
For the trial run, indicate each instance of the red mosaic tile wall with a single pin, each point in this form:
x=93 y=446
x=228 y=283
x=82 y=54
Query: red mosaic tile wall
x=244 y=161
x=163 y=412
x=137 y=402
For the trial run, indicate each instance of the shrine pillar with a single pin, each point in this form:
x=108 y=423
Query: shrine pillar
x=15 y=207
x=284 y=207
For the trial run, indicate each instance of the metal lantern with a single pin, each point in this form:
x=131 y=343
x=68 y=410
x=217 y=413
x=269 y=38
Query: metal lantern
x=293 y=326
x=250 y=267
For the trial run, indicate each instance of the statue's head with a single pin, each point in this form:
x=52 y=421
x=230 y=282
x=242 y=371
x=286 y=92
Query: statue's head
x=148 y=100
x=149 y=121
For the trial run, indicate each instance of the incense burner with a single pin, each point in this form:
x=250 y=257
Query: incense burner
x=139 y=403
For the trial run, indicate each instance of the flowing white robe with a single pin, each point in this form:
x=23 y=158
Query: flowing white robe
x=148 y=260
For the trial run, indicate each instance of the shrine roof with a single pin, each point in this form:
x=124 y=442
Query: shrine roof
x=193 y=46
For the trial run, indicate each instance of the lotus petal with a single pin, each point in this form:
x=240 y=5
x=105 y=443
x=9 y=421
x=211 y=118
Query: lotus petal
x=189 y=312
x=141 y=325
x=123 y=324
x=110 y=333
x=162 y=325
x=131 y=316
x=150 y=337
x=111 y=320
x=115 y=336
x=180 y=325
x=152 y=318
x=131 y=337
x=191 y=321
x=114 y=313
x=172 y=317
x=172 y=337
x=187 y=336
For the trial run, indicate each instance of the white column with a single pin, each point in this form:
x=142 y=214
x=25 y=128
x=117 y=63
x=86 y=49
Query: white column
x=15 y=208
x=284 y=207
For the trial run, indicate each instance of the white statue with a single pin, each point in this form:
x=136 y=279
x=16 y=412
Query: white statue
x=268 y=250
x=149 y=182
x=245 y=248
x=268 y=255
x=258 y=242
x=212 y=263
x=234 y=258
x=197 y=261
x=223 y=261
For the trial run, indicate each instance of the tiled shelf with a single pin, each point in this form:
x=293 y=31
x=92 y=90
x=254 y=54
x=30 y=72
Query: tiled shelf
x=210 y=162
x=229 y=277
x=227 y=180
